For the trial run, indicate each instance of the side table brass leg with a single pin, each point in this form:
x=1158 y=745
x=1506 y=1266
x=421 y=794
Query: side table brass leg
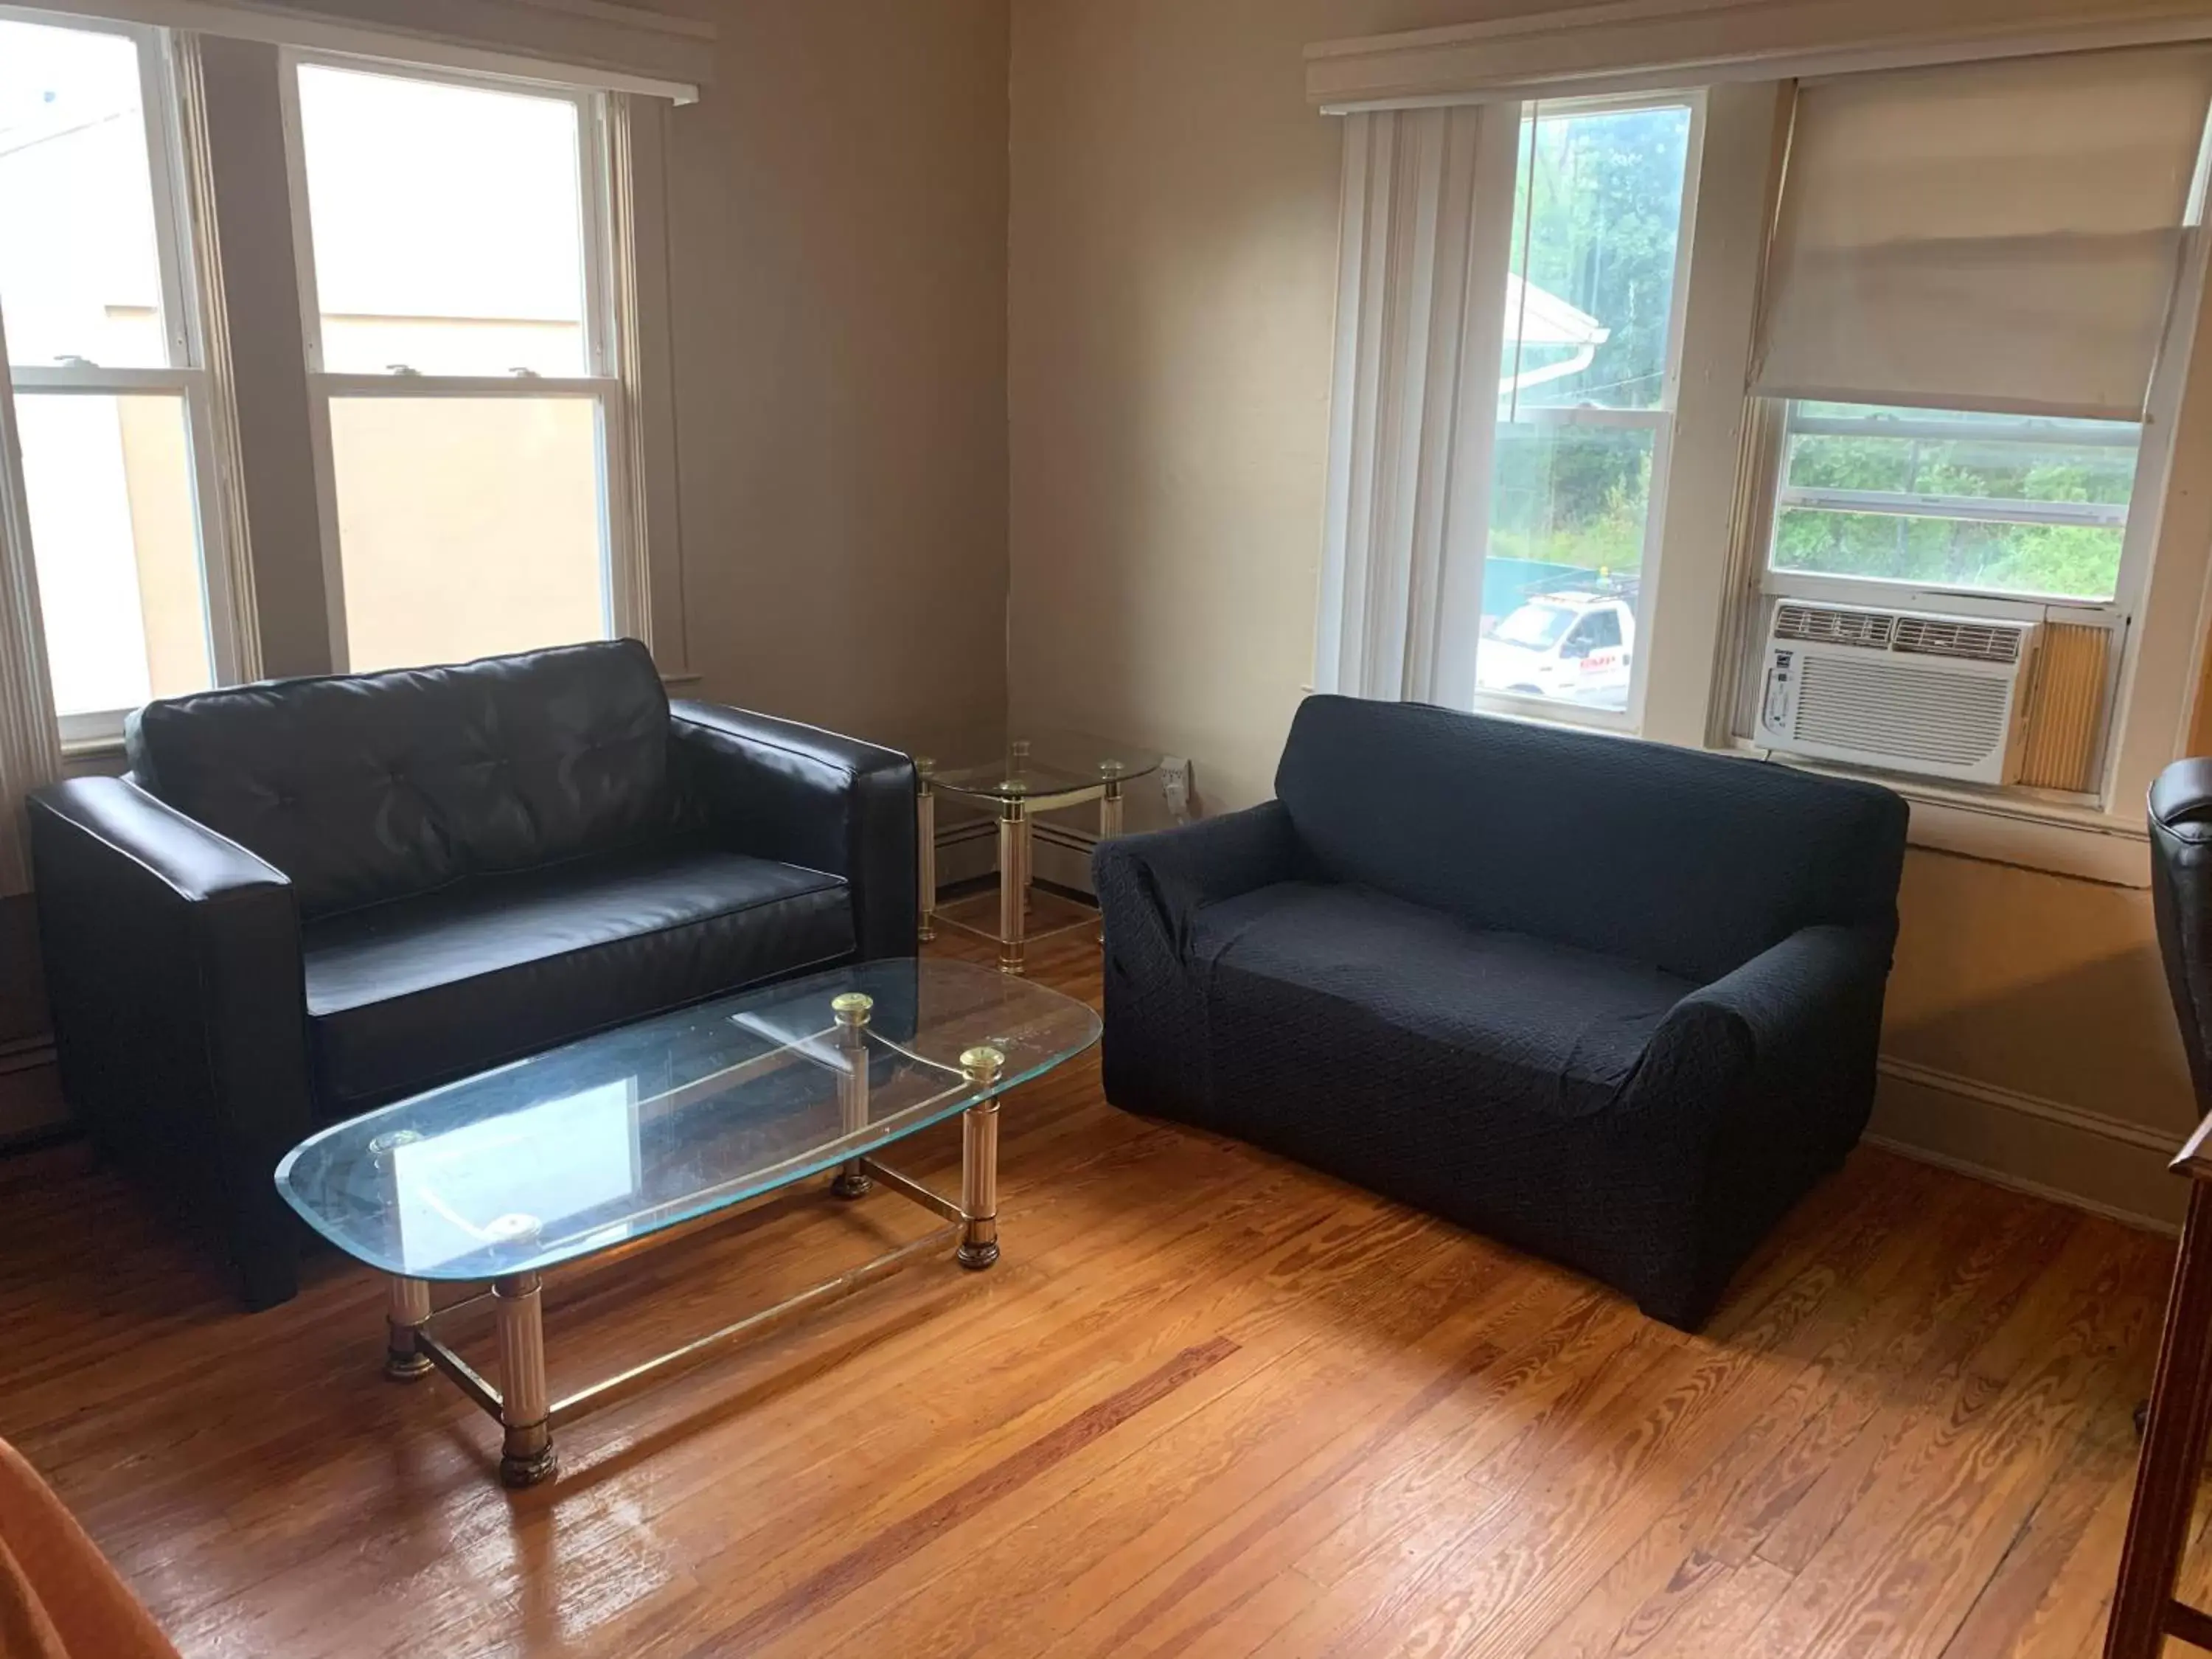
x=1109 y=825
x=851 y=1011
x=978 y=1162
x=407 y=1308
x=525 y=1407
x=1014 y=886
x=925 y=827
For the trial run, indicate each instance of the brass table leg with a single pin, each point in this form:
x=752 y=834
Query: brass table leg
x=407 y=1308
x=525 y=1407
x=978 y=1162
x=851 y=1011
x=1013 y=886
x=1110 y=823
x=925 y=826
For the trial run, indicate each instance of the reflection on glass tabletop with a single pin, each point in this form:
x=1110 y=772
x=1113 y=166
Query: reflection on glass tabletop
x=1038 y=764
x=633 y=1131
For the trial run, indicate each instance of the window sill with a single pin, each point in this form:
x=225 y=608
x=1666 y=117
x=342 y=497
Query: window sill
x=2081 y=842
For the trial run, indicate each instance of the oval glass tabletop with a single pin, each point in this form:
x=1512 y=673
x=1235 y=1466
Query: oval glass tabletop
x=624 y=1134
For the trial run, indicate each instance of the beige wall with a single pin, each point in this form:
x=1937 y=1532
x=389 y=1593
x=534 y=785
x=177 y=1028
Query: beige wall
x=837 y=214
x=1174 y=236
x=1174 y=275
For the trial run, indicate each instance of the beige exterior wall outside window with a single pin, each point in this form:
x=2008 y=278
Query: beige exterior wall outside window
x=455 y=254
x=108 y=370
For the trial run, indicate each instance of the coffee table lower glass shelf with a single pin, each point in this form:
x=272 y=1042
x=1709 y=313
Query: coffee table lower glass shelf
x=633 y=1137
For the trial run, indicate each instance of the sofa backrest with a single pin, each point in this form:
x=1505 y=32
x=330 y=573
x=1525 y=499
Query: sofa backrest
x=373 y=787
x=1693 y=863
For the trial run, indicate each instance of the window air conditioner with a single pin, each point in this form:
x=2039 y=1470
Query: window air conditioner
x=1899 y=690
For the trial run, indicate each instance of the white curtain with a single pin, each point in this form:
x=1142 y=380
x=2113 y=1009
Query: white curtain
x=30 y=742
x=1998 y=236
x=1410 y=426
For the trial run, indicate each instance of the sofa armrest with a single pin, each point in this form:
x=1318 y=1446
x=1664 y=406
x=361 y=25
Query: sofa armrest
x=174 y=968
x=1177 y=870
x=1803 y=1015
x=805 y=796
x=1791 y=1001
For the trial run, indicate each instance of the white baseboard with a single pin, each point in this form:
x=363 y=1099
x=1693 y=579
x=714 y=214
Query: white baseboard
x=966 y=851
x=1059 y=855
x=2030 y=1143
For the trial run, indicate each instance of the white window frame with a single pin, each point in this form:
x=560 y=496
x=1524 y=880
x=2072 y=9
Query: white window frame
x=1659 y=420
x=2119 y=614
x=606 y=385
x=2158 y=614
x=2138 y=543
x=188 y=377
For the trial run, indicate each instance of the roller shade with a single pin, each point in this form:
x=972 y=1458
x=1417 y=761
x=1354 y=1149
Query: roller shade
x=2000 y=236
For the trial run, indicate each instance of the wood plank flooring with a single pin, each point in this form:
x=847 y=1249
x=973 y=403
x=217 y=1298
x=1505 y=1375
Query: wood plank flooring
x=1208 y=1403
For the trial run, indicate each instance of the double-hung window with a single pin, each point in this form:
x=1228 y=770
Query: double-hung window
x=99 y=300
x=1510 y=307
x=1974 y=283
x=1585 y=397
x=457 y=272
x=1897 y=372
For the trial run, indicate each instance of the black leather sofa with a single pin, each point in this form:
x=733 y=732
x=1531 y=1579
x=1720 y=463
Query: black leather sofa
x=313 y=896
x=1615 y=1003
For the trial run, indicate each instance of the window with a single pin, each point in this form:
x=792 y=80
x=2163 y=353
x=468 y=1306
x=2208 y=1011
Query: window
x=98 y=300
x=457 y=263
x=1968 y=478
x=1964 y=365
x=1585 y=395
x=1967 y=502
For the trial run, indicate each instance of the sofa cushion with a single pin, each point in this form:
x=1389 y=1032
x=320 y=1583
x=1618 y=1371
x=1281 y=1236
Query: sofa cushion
x=363 y=788
x=404 y=995
x=1531 y=1028
x=1504 y=1082
x=1694 y=862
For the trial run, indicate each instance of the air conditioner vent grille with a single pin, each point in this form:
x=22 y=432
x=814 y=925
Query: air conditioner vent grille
x=1938 y=636
x=1826 y=625
x=1886 y=709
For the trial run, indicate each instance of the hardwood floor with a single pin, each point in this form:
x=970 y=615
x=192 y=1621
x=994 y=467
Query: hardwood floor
x=1208 y=1403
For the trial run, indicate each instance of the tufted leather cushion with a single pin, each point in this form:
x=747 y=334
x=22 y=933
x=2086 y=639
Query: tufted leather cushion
x=1693 y=863
x=366 y=788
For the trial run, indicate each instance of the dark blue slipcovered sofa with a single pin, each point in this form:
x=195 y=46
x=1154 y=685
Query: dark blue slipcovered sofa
x=1611 y=1002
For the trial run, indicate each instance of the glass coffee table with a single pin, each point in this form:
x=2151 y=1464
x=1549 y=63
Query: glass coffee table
x=1038 y=773
x=637 y=1135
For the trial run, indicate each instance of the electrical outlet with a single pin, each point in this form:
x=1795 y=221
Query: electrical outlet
x=1175 y=784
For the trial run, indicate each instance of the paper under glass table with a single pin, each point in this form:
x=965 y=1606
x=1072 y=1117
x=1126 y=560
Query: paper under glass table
x=1040 y=772
x=634 y=1136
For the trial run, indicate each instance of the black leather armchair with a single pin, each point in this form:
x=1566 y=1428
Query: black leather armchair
x=314 y=896
x=1615 y=1003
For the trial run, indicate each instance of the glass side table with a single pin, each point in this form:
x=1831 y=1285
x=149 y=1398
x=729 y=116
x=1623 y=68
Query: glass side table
x=1039 y=772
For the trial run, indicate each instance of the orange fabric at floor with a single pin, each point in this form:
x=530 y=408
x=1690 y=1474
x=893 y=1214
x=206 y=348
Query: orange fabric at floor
x=59 y=1598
